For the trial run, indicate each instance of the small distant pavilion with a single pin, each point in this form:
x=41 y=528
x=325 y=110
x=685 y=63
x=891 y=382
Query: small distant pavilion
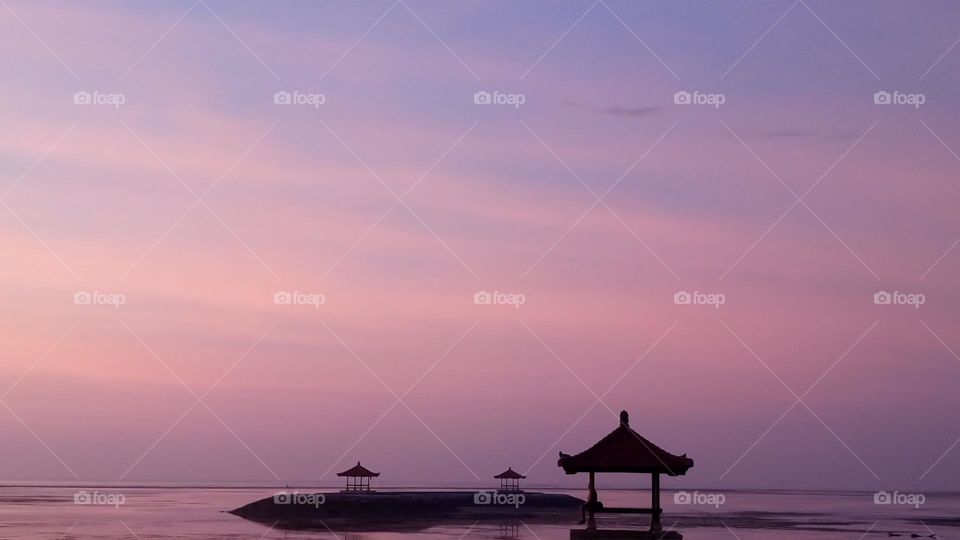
x=624 y=451
x=358 y=478
x=510 y=480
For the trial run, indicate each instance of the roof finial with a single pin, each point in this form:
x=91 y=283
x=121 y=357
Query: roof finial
x=624 y=418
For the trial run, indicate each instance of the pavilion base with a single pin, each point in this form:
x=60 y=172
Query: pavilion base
x=614 y=534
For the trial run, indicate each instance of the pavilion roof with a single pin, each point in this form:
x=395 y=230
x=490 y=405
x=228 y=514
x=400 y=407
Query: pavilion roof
x=510 y=474
x=625 y=450
x=358 y=470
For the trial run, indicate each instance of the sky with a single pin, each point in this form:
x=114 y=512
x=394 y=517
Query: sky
x=252 y=243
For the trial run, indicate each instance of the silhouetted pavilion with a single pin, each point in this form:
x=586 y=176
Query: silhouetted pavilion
x=510 y=480
x=625 y=451
x=358 y=478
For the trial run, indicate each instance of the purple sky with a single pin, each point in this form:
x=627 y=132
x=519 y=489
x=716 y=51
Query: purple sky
x=186 y=193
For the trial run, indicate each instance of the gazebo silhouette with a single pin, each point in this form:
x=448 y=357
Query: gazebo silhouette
x=358 y=478
x=624 y=451
x=510 y=480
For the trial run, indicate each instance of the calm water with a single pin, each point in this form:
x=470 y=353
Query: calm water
x=50 y=512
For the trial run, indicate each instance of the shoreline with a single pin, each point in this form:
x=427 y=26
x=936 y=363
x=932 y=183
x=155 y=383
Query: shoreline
x=428 y=488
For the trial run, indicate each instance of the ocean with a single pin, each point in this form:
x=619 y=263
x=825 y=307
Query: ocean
x=200 y=513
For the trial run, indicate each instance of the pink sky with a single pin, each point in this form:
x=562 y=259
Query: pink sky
x=97 y=198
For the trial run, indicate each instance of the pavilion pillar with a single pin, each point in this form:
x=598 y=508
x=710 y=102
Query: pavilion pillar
x=655 y=526
x=592 y=502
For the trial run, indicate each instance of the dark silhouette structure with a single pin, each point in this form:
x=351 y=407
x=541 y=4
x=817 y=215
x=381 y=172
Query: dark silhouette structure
x=624 y=451
x=510 y=481
x=358 y=478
